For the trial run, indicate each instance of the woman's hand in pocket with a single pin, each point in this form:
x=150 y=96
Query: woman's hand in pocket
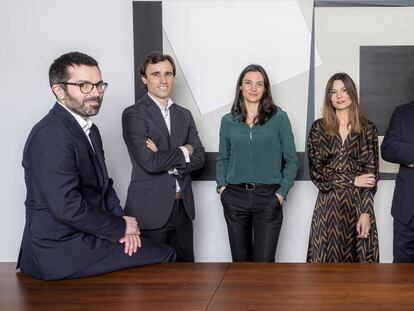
x=280 y=198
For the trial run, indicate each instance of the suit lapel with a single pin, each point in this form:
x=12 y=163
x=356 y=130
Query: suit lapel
x=156 y=115
x=408 y=128
x=74 y=128
x=176 y=119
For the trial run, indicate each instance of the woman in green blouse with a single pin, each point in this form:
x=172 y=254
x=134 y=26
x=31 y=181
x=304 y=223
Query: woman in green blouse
x=251 y=179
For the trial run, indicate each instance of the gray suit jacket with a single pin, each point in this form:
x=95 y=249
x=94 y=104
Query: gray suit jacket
x=151 y=192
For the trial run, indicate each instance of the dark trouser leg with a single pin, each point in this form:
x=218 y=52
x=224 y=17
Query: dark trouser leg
x=177 y=232
x=163 y=234
x=267 y=221
x=403 y=246
x=182 y=239
x=149 y=253
x=239 y=223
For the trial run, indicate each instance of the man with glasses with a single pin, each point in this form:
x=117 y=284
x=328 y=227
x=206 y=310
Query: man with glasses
x=164 y=148
x=75 y=226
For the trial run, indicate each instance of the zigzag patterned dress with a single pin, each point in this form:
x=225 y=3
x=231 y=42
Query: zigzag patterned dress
x=333 y=167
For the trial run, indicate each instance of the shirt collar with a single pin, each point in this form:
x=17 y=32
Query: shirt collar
x=163 y=109
x=85 y=124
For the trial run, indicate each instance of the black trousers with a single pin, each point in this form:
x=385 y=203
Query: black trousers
x=177 y=232
x=149 y=253
x=254 y=218
x=403 y=244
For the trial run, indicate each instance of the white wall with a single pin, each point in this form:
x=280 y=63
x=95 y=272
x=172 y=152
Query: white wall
x=34 y=33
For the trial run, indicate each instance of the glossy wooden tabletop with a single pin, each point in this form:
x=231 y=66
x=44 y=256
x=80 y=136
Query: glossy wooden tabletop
x=219 y=286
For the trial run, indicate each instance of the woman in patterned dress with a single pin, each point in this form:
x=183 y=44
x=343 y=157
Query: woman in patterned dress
x=343 y=164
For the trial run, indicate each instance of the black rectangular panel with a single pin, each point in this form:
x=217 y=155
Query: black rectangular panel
x=147 y=17
x=386 y=81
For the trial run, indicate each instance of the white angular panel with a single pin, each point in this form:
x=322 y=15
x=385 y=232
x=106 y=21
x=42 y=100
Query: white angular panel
x=214 y=40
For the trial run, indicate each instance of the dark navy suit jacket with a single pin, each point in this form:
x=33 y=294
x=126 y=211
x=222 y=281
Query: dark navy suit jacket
x=73 y=216
x=398 y=147
x=151 y=192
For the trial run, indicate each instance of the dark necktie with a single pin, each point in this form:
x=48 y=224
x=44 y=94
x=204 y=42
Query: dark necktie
x=95 y=139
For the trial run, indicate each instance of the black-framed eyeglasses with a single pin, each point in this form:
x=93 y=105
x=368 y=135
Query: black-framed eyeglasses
x=87 y=87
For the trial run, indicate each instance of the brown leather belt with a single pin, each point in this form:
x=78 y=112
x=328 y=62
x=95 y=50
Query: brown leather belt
x=178 y=196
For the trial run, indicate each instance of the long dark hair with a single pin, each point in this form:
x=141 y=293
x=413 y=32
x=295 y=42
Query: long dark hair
x=356 y=116
x=267 y=107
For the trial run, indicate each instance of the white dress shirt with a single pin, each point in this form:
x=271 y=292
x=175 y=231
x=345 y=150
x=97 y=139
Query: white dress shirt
x=165 y=111
x=85 y=124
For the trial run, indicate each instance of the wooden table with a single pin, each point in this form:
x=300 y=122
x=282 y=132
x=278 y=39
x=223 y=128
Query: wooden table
x=219 y=286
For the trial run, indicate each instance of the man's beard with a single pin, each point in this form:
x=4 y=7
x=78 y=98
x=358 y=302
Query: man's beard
x=81 y=107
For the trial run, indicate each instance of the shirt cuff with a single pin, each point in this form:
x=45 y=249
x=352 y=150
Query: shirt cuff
x=283 y=191
x=173 y=171
x=186 y=154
